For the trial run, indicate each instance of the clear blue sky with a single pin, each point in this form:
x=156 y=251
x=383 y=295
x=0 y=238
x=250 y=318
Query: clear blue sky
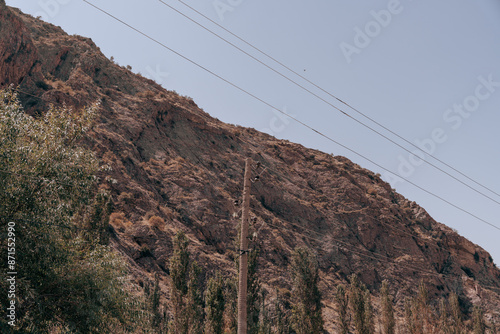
x=427 y=70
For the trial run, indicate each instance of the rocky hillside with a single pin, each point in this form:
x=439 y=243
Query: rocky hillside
x=173 y=167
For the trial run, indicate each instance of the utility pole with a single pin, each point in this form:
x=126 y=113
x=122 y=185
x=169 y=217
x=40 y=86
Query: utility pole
x=242 y=282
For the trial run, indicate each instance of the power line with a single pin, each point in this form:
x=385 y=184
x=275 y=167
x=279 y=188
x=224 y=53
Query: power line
x=330 y=94
x=291 y=117
x=375 y=256
x=199 y=160
x=330 y=104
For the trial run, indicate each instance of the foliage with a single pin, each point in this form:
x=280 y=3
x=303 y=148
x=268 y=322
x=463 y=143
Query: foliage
x=214 y=299
x=478 y=321
x=179 y=263
x=388 y=321
x=342 y=301
x=369 y=313
x=231 y=307
x=187 y=300
x=67 y=276
x=255 y=294
x=306 y=297
x=280 y=321
x=195 y=299
x=358 y=304
x=456 y=314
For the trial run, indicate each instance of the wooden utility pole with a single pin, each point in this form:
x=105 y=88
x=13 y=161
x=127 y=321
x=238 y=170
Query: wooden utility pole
x=242 y=282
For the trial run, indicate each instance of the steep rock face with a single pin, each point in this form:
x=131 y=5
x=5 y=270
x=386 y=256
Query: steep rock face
x=171 y=160
x=17 y=52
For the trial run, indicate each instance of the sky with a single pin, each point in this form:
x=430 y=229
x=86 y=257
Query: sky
x=427 y=70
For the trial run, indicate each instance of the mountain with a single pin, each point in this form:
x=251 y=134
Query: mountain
x=174 y=167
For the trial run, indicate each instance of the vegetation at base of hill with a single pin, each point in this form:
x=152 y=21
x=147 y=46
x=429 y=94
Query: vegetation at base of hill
x=68 y=278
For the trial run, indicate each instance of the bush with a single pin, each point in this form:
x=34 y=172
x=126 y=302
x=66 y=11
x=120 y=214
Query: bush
x=67 y=276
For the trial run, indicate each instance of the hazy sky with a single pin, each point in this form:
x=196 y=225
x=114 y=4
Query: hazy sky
x=428 y=70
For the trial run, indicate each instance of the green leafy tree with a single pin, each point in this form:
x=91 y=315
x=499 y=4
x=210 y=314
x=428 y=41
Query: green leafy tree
x=265 y=324
x=358 y=305
x=388 y=321
x=68 y=277
x=419 y=316
x=306 y=297
x=231 y=307
x=369 y=313
x=409 y=316
x=478 y=321
x=342 y=301
x=457 y=326
x=214 y=299
x=158 y=315
x=195 y=299
x=280 y=321
x=444 y=323
x=255 y=293
x=187 y=302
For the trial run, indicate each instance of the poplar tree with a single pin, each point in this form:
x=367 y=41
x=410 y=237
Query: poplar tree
x=187 y=301
x=456 y=314
x=255 y=294
x=342 y=301
x=214 y=299
x=478 y=321
x=358 y=305
x=444 y=323
x=388 y=321
x=369 y=313
x=306 y=297
x=280 y=320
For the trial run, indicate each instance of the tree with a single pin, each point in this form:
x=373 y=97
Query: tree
x=422 y=312
x=280 y=319
x=68 y=277
x=444 y=325
x=342 y=301
x=187 y=302
x=456 y=314
x=418 y=314
x=306 y=297
x=409 y=316
x=179 y=263
x=265 y=324
x=254 y=293
x=231 y=307
x=155 y=302
x=388 y=321
x=369 y=313
x=478 y=321
x=359 y=307
x=195 y=302
x=214 y=299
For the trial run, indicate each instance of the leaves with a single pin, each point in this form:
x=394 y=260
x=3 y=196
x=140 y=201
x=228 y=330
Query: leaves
x=68 y=277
